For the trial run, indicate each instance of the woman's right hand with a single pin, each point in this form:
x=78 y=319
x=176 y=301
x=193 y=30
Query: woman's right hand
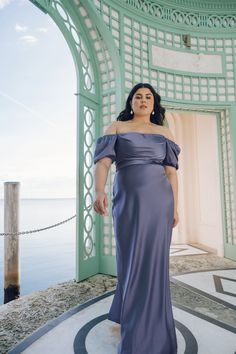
x=101 y=203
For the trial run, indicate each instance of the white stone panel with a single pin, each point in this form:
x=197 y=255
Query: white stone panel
x=189 y=62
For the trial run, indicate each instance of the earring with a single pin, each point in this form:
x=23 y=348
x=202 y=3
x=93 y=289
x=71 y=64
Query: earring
x=153 y=113
x=131 y=112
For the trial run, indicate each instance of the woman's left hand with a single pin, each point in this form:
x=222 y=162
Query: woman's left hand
x=176 y=219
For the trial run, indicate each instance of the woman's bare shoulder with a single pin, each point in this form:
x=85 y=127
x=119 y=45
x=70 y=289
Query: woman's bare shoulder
x=117 y=127
x=111 y=129
x=168 y=133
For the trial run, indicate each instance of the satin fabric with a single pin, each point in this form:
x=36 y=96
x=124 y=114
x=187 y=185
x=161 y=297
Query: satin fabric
x=143 y=213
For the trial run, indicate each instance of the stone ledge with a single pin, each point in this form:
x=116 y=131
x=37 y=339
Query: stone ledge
x=21 y=317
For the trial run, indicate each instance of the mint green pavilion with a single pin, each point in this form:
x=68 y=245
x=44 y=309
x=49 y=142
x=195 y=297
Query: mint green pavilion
x=186 y=49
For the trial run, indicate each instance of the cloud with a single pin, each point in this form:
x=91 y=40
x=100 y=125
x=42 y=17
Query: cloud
x=29 y=39
x=20 y=28
x=43 y=29
x=28 y=109
x=4 y=3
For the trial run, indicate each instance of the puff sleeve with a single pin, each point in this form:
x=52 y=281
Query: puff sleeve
x=105 y=147
x=172 y=152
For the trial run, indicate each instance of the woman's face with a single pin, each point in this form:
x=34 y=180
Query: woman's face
x=142 y=102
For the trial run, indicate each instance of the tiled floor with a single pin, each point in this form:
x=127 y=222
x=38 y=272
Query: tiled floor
x=218 y=284
x=185 y=250
x=86 y=329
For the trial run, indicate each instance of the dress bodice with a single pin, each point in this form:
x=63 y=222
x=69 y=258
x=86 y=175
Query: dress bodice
x=137 y=148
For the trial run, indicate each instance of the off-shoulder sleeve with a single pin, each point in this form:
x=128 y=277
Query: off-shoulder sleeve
x=172 y=152
x=105 y=147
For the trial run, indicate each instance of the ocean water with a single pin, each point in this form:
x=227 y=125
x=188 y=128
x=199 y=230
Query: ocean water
x=46 y=257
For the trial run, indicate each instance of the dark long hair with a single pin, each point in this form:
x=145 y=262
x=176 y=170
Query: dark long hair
x=156 y=118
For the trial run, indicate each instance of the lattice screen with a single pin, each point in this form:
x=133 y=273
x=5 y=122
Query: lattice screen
x=230 y=224
x=106 y=115
x=133 y=46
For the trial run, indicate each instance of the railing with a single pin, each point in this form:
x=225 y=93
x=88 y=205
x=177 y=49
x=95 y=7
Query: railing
x=11 y=239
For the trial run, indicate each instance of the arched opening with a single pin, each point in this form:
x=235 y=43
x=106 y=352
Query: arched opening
x=38 y=110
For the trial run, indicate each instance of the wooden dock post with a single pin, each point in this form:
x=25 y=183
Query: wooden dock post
x=11 y=243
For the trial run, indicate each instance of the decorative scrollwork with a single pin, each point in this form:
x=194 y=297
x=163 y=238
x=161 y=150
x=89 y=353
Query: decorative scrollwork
x=87 y=69
x=179 y=16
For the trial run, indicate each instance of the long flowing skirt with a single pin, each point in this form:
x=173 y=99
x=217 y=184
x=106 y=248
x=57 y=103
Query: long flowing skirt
x=143 y=212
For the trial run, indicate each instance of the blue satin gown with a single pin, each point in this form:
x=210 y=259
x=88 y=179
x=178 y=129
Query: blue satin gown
x=143 y=214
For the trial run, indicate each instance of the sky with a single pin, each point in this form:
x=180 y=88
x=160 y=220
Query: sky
x=37 y=104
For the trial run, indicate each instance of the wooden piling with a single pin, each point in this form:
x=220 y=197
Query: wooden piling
x=11 y=243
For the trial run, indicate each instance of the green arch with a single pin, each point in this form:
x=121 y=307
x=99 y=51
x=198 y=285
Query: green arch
x=71 y=23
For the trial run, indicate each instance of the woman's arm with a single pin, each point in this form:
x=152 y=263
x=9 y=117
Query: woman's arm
x=173 y=178
x=102 y=168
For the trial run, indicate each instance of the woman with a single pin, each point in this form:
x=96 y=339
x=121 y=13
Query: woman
x=144 y=211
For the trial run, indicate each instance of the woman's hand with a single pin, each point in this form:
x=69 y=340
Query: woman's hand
x=101 y=203
x=176 y=219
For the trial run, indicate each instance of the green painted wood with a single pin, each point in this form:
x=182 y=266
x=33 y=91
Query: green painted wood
x=99 y=79
x=222 y=180
x=230 y=251
x=211 y=18
x=209 y=5
x=230 y=242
